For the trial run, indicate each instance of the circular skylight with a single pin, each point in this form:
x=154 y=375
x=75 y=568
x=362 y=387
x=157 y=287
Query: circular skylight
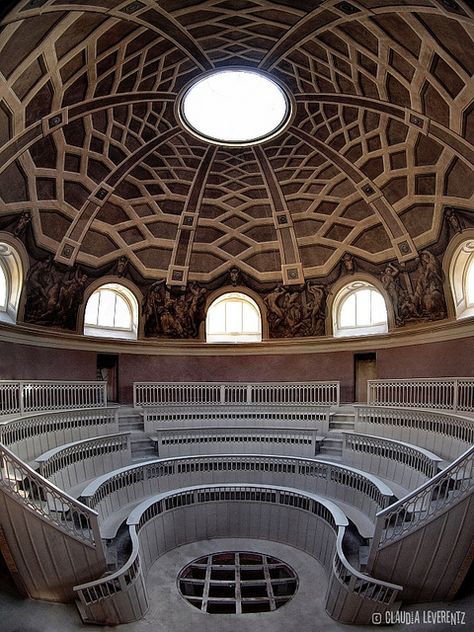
x=236 y=107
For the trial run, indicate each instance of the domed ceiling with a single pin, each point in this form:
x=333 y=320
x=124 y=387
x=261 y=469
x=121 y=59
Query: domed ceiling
x=381 y=142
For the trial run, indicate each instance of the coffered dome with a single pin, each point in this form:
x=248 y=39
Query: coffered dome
x=379 y=145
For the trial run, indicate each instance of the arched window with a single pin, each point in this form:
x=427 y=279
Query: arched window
x=461 y=277
x=112 y=310
x=359 y=310
x=11 y=279
x=234 y=317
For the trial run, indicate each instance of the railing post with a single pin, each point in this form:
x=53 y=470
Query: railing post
x=21 y=397
x=456 y=394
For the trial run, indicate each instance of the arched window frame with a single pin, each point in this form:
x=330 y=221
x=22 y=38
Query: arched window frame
x=461 y=279
x=12 y=269
x=131 y=301
x=344 y=293
x=234 y=295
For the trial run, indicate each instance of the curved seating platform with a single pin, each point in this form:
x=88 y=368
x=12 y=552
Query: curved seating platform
x=444 y=433
x=287 y=515
x=71 y=465
x=422 y=456
x=30 y=436
x=402 y=463
x=114 y=494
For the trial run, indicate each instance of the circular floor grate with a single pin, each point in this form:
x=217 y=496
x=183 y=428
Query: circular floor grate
x=237 y=582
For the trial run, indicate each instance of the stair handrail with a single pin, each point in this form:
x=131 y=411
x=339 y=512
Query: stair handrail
x=361 y=583
x=421 y=505
x=46 y=500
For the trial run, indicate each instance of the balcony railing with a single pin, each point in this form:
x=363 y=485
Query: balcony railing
x=442 y=393
x=38 y=395
x=146 y=394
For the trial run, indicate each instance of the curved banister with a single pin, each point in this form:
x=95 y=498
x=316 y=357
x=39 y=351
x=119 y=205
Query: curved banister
x=18 y=429
x=427 y=501
x=359 y=583
x=422 y=460
x=363 y=491
x=57 y=458
x=46 y=500
x=428 y=426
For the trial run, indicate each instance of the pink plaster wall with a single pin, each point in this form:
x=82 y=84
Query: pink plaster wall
x=455 y=358
x=19 y=362
x=440 y=359
x=265 y=368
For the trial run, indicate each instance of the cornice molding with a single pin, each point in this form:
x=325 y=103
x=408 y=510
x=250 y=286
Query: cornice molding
x=416 y=335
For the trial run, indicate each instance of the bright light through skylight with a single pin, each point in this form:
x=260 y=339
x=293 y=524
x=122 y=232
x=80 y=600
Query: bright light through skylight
x=235 y=106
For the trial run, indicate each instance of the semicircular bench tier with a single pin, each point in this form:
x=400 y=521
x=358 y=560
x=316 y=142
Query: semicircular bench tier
x=301 y=519
x=115 y=494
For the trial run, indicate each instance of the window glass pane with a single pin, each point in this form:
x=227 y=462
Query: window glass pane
x=123 y=317
x=379 y=311
x=251 y=320
x=217 y=318
x=233 y=317
x=347 y=313
x=92 y=309
x=3 y=289
x=106 y=308
x=363 y=308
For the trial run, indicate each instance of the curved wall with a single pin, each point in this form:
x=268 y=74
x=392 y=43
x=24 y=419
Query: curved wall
x=435 y=351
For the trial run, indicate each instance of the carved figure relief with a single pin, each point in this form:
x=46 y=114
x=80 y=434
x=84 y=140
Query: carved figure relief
x=429 y=295
x=121 y=266
x=173 y=316
x=54 y=297
x=402 y=302
x=426 y=301
x=453 y=220
x=348 y=263
x=22 y=223
x=293 y=313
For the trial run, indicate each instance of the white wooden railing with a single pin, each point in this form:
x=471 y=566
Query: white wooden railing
x=33 y=434
x=113 y=490
x=24 y=396
x=439 y=393
x=147 y=394
x=122 y=597
x=72 y=463
x=232 y=416
x=423 y=505
x=38 y=495
x=444 y=433
x=405 y=464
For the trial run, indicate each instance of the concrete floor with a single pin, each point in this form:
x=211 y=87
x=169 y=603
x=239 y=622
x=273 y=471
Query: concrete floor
x=169 y=612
